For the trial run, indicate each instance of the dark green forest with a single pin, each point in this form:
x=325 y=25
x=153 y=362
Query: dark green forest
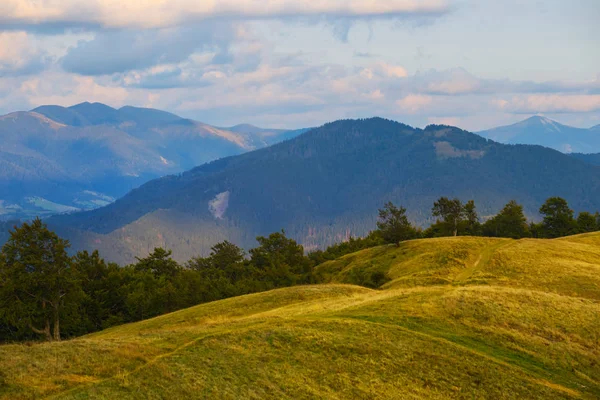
x=47 y=294
x=325 y=185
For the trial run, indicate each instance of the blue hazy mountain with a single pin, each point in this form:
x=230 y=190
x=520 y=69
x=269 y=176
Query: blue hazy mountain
x=548 y=133
x=57 y=159
x=327 y=184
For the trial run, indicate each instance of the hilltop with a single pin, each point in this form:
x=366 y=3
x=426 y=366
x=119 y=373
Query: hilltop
x=457 y=318
x=325 y=185
x=56 y=159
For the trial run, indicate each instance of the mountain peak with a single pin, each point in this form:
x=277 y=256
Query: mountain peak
x=96 y=113
x=543 y=131
x=539 y=119
x=87 y=104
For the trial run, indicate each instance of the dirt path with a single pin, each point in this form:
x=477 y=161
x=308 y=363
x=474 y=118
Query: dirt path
x=483 y=259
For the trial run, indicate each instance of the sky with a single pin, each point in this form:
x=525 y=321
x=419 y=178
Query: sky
x=475 y=64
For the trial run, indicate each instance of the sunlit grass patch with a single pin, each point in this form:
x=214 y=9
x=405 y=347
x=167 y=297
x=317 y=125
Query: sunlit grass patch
x=457 y=318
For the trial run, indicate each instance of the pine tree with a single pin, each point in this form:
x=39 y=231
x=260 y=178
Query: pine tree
x=394 y=225
x=509 y=222
x=558 y=218
x=37 y=279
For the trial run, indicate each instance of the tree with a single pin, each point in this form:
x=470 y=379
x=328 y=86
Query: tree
x=452 y=212
x=281 y=259
x=471 y=225
x=37 y=279
x=587 y=222
x=226 y=254
x=394 y=225
x=509 y=222
x=558 y=218
x=100 y=283
x=223 y=269
x=159 y=262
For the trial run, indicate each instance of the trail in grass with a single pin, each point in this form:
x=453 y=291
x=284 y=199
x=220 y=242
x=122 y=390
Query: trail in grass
x=483 y=259
x=531 y=376
x=121 y=376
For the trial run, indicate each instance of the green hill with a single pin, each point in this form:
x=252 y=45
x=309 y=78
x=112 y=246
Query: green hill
x=457 y=318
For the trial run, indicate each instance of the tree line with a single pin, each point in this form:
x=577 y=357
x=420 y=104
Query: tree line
x=45 y=293
x=455 y=218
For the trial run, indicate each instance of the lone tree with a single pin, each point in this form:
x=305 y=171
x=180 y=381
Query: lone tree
x=472 y=226
x=558 y=218
x=36 y=279
x=452 y=212
x=394 y=225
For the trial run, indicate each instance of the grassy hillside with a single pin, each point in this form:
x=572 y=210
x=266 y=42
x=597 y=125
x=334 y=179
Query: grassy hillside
x=457 y=318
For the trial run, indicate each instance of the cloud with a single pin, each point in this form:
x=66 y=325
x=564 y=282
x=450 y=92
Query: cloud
x=19 y=55
x=550 y=103
x=413 y=103
x=168 y=13
x=457 y=82
x=125 y=50
x=393 y=71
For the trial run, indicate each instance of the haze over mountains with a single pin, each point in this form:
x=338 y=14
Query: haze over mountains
x=327 y=184
x=57 y=159
x=548 y=133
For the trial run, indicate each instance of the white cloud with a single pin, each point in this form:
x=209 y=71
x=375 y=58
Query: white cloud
x=550 y=103
x=393 y=71
x=19 y=54
x=413 y=103
x=65 y=90
x=166 y=13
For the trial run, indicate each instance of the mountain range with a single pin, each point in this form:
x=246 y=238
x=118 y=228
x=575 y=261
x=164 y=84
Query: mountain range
x=327 y=184
x=548 y=133
x=57 y=159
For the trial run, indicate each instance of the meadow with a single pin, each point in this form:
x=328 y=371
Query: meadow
x=457 y=317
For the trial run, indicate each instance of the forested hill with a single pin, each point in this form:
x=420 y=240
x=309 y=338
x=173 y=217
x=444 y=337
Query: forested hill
x=593 y=159
x=326 y=185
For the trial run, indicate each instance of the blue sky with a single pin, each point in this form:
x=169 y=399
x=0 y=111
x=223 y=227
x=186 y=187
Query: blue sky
x=288 y=63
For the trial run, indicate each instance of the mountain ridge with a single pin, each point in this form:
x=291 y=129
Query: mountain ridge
x=327 y=184
x=88 y=145
x=540 y=130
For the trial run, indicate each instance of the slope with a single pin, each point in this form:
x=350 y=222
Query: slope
x=545 y=132
x=327 y=184
x=487 y=328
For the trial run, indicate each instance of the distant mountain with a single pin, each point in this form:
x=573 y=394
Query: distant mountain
x=260 y=137
x=60 y=159
x=545 y=132
x=327 y=184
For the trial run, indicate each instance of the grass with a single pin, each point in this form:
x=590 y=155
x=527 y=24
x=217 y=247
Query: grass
x=458 y=318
